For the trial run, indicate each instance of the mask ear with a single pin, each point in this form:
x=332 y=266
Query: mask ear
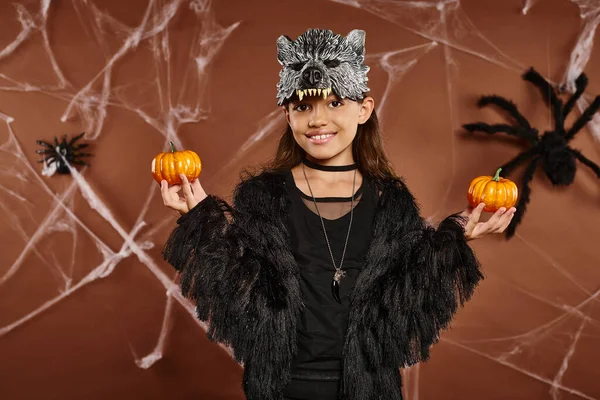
x=356 y=39
x=284 y=49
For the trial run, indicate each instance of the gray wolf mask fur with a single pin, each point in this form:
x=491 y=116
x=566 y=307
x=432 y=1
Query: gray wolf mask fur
x=320 y=62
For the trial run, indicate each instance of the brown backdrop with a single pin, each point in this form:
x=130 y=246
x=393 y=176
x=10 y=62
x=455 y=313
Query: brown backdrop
x=87 y=308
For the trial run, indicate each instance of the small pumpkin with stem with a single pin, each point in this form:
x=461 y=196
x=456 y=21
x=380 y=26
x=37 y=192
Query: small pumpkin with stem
x=495 y=192
x=170 y=165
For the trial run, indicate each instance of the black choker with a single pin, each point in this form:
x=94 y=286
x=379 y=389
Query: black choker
x=335 y=168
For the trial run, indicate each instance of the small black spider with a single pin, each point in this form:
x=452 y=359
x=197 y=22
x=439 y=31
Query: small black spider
x=551 y=150
x=53 y=154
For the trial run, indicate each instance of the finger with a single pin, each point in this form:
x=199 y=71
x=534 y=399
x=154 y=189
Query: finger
x=505 y=220
x=492 y=223
x=479 y=230
x=198 y=189
x=476 y=213
x=164 y=191
x=187 y=191
x=473 y=219
x=174 y=189
x=168 y=199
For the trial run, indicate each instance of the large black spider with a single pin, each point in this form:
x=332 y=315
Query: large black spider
x=53 y=153
x=551 y=150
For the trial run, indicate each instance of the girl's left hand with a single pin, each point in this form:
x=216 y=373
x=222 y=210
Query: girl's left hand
x=496 y=224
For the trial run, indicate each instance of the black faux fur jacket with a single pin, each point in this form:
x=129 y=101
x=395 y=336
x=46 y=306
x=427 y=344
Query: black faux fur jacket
x=237 y=265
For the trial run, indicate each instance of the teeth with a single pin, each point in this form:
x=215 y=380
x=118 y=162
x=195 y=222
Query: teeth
x=321 y=137
x=313 y=92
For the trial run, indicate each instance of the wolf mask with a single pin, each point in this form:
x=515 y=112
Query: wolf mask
x=320 y=62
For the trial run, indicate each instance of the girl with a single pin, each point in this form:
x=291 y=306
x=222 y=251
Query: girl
x=322 y=276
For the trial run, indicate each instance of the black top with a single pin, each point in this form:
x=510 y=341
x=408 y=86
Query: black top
x=323 y=321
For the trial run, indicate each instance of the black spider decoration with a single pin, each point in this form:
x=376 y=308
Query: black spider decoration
x=551 y=150
x=53 y=153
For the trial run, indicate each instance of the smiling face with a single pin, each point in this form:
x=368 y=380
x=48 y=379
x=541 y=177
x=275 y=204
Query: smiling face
x=324 y=127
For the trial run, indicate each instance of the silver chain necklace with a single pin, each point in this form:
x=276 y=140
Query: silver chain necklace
x=339 y=272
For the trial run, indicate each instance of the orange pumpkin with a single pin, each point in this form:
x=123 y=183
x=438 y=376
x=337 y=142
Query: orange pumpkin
x=495 y=192
x=169 y=166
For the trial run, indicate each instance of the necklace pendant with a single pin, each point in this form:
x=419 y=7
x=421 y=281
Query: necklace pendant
x=335 y=290
x=339 y=274
x=335 y=284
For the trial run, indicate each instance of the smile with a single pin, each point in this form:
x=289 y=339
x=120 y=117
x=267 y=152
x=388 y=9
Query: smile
x=320 y=139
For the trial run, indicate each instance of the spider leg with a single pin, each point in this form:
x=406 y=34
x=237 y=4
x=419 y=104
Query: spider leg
x=580 y=84
x=42 y=143
x=524 y=198
x=80 y=146
x=82 y=155
x=45 y=151
x=549 y=96
x=585 y=117
x=64 y=141
x=78 y=162
x=507 y=106
x=586 y=161
x=518 y=160
x=50 y=159
x=56 y=142
x=500 y=128
x=75 y=138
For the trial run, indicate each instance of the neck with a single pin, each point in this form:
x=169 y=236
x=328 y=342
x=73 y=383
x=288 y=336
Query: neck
x=331 y=171
x=329 y=167
x=340 y=162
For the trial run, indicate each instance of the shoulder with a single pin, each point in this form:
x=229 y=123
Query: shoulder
x=393 y=188
x=398 y=208
x=263 y=180
x=260 y=188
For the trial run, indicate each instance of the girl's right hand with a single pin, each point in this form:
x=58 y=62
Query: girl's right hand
x=192 y=194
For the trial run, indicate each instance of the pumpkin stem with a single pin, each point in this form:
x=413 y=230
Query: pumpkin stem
x=172 y=147
x=497 y=176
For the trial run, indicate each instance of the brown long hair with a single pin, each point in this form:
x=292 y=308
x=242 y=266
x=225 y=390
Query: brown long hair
x=367 y=150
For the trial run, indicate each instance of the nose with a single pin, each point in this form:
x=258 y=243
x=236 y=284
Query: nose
x=312 y=75
x=318 y=116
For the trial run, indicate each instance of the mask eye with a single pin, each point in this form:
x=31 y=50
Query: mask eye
x=297 y=66
x=331 y=63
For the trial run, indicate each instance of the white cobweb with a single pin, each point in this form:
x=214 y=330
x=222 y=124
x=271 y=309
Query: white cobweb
x=580 y=55
x=90 y=104
x=178 y=98
x=446 y=24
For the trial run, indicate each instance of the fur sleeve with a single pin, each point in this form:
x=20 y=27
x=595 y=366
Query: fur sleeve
x=419 y=276
x=236 y=265
x=214 y=258
x=441 y=274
